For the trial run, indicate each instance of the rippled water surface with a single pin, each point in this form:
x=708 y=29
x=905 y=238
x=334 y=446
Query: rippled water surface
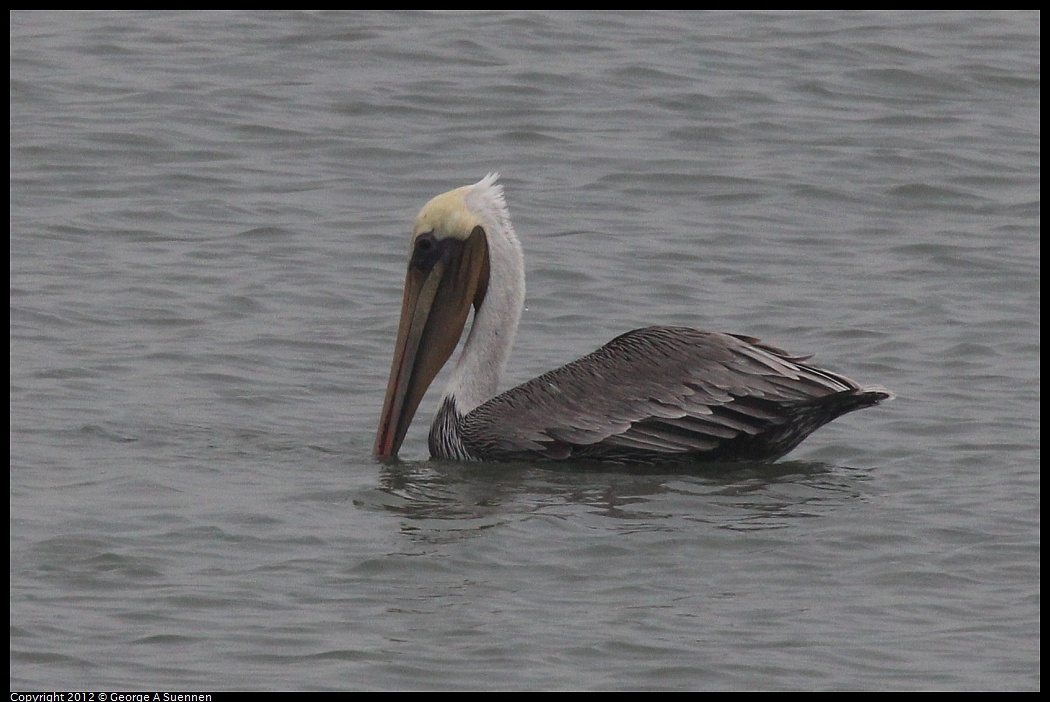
x=209 y=224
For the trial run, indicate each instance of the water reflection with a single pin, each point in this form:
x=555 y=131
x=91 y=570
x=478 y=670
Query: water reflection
x=447 y=500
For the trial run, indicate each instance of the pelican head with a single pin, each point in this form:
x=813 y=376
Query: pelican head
x=448 y=272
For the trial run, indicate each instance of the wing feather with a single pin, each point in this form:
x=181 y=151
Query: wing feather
x=669 y=391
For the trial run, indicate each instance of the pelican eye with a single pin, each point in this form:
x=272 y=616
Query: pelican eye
x=427 y=251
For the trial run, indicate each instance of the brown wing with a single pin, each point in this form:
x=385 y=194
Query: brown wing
x=666 y=392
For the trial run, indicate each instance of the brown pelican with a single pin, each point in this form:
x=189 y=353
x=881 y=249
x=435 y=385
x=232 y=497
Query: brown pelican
x=650 y=395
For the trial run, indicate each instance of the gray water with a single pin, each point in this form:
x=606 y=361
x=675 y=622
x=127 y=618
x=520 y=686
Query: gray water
x=209 y=229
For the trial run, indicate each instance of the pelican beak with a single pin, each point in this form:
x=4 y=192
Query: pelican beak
x=445 y=277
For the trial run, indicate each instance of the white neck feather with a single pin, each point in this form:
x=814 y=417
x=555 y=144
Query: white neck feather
x=480 y=365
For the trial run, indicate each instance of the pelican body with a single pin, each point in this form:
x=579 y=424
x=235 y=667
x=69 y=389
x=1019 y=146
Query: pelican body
x=658 y=394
